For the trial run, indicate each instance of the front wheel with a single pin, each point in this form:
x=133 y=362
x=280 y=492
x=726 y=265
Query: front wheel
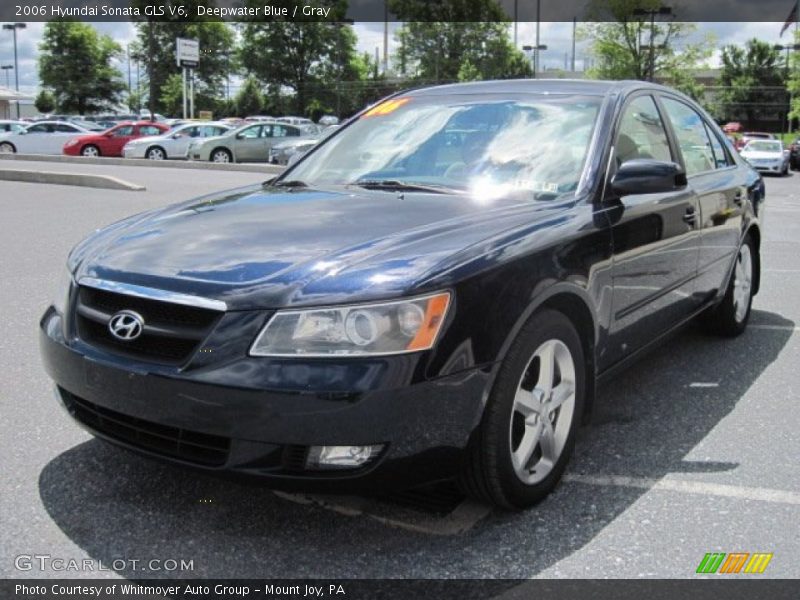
x=730 y=316
x=6 y=148
x=527 y=433
x=156 y=153
x=221 y=156
x=90 y=151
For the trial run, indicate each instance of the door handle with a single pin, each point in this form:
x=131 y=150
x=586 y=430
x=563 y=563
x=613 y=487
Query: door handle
x=738 y=198
x=690 y=216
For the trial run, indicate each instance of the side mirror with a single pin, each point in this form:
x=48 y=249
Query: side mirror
x=178 y=135
x=647 y=176
x=109 y=134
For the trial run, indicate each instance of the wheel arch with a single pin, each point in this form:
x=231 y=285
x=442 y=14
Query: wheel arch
x=13 y=147
x=573 y=302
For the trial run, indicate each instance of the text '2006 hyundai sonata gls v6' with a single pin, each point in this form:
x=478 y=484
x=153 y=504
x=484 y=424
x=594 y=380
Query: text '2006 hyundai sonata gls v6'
x=431 y=293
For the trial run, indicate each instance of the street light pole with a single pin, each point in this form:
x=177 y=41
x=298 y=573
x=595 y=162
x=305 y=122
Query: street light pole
x=7 y=68
x=13 y=28
x=533 y=51
x=640 y=12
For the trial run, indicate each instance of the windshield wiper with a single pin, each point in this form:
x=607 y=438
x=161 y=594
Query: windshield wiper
x=395 y=185
x=290 y=183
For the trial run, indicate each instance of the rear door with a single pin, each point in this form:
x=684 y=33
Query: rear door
x=720 y=190
x=655 y=239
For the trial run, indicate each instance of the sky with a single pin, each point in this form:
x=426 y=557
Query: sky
x=557 y=37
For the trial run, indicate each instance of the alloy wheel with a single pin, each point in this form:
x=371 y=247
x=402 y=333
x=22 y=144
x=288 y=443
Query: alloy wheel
x=742 y=282
x=221 y=156
x=542 y=413
x=90 y=151
x=155 y=154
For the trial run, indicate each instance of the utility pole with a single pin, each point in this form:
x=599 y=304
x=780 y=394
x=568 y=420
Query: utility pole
x=13 y=27
x=641 y=12
x=574 y=31
x=151 y=101
x=536 y=48
x=516 y=20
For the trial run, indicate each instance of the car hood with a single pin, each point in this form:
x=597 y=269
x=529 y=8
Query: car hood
x=271 y=248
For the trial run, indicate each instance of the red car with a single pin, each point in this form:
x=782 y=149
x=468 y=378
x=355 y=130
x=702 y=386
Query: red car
x=111 y=141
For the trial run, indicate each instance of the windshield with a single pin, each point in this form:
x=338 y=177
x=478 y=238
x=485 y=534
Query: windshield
x=481 y=144
x=764 y=146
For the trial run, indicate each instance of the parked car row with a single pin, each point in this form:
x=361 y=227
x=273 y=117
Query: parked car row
x=216 y=141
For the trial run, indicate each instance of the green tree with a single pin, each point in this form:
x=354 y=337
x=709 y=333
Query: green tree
x=45 y=102
x=625 y=45
x=793 y=84
x=249 y=100
x=156 y=41
x=306 y=57
x=437 y=39
x=752 y=77
x=75 y=62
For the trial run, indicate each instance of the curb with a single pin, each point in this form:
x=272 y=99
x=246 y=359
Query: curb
x=143 y=162
x=80 y=179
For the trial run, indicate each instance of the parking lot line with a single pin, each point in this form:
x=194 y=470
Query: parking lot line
x=688 y=487
x=778 y=327
x=465 y=516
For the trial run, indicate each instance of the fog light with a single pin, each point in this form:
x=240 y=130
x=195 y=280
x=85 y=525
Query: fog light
x=341 y=457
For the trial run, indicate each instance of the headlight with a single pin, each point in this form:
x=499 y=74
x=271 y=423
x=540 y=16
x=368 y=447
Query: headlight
x=361 y=330
x=62 y=291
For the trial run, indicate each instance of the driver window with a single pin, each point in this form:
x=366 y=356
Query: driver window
x=641 y=133
x=124 y=131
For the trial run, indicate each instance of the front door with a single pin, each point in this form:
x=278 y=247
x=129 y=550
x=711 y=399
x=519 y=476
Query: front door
x=655 y=240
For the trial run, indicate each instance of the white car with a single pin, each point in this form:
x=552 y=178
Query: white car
x=43 y=137
x=174 y=143
x=767 y=156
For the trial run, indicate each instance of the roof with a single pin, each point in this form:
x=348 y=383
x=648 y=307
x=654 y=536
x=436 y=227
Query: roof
x=553 y=86
x=8 y=94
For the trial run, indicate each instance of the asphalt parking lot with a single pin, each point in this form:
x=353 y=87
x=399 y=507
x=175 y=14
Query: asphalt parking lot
x=693 y=450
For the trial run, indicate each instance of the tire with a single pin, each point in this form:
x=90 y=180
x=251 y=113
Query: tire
x=155 y=153
x=512 y=424
x=90 y=151
x=729 y=318
x=221 y=155
x=7 y=148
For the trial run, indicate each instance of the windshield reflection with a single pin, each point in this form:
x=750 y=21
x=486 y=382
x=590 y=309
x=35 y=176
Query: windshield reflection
x=534 y=145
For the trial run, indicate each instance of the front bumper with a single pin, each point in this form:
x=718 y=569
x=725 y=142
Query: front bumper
x=254 y=416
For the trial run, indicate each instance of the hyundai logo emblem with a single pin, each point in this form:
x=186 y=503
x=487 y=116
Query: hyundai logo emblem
x=126 y=325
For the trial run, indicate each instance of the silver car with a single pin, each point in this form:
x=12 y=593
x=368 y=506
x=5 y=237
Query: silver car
x=249 y=143
x=174 y=143
x=43 y=137
x=766 y=156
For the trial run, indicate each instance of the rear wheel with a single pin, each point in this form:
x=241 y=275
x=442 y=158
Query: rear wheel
x=221 y=155
x=730 y=316
x=90 y=151
x=527 y=433
x=7 y=148
x=155 y=153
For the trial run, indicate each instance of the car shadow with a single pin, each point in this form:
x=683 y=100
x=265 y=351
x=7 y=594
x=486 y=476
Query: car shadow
x=116 y=505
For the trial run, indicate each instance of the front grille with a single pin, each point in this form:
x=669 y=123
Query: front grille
x=190 y=446
x=172 y=332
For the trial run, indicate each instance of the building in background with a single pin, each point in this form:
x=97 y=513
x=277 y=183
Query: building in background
x=8 y=99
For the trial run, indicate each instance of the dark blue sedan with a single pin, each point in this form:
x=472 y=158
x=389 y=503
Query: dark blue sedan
x=432 y=293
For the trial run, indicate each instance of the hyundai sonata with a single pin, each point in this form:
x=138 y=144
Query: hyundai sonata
x=432 y=293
